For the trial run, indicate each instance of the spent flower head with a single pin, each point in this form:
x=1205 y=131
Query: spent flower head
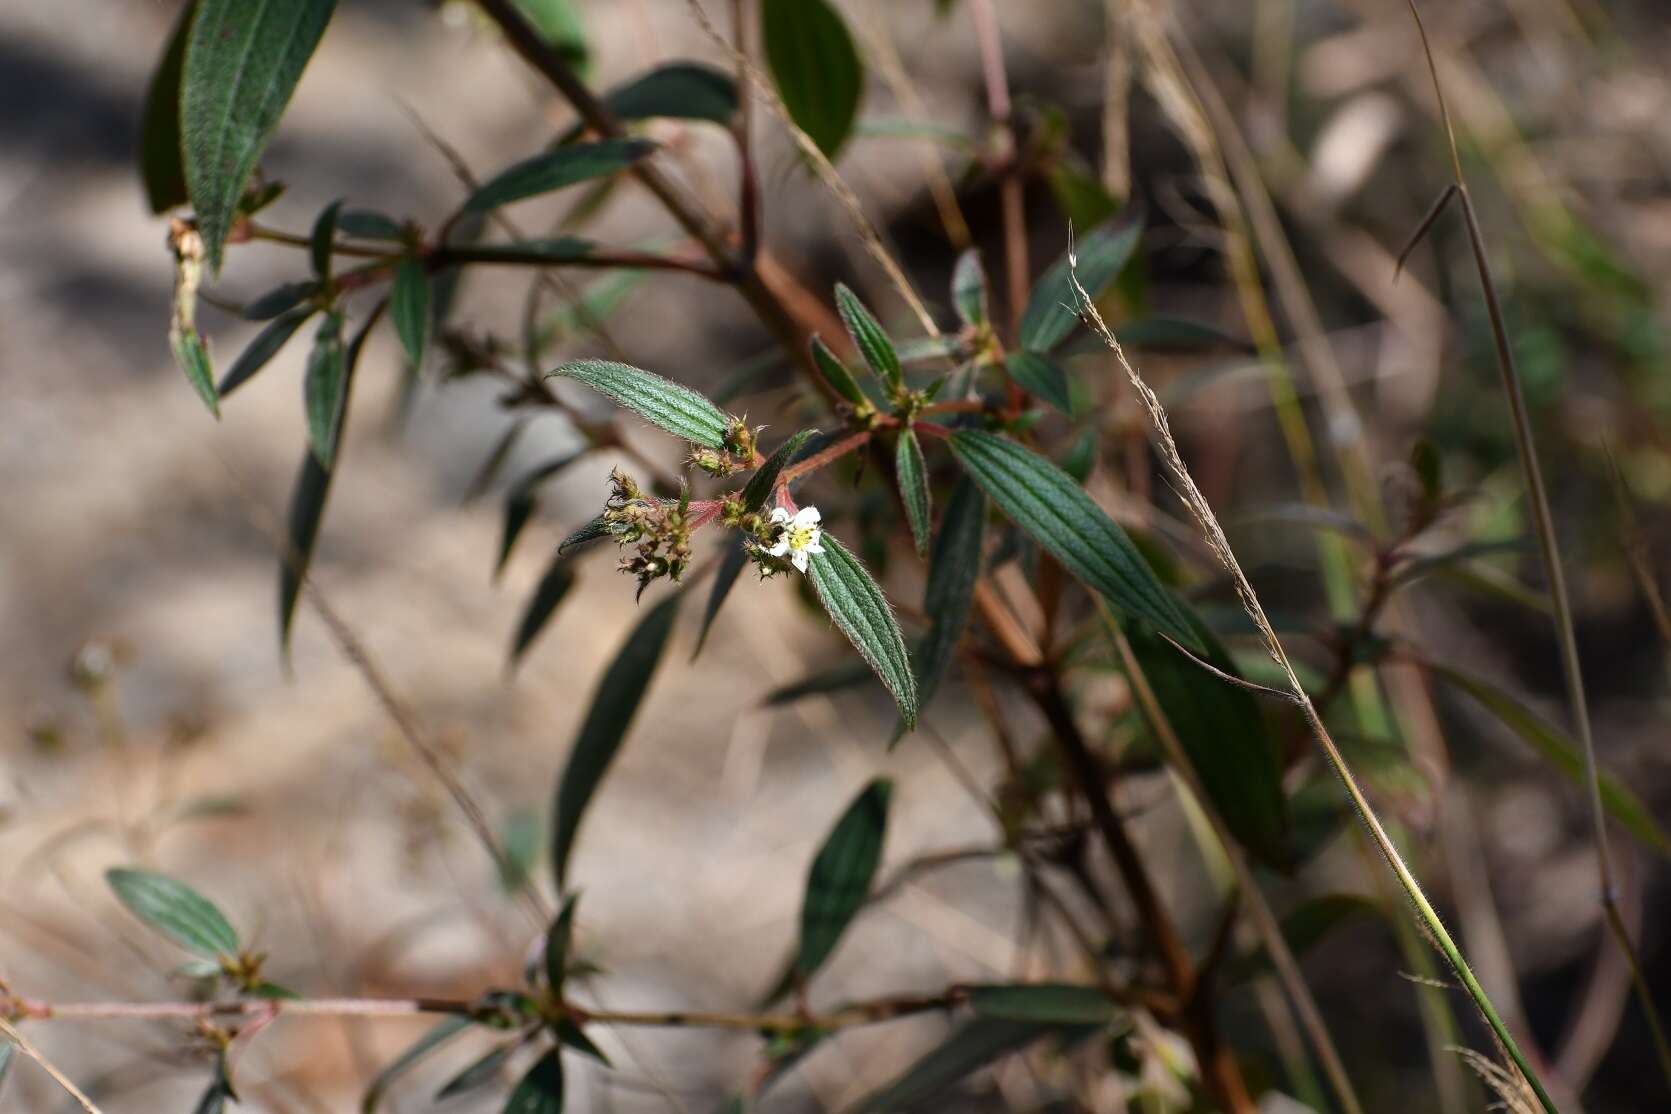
x=658 y=530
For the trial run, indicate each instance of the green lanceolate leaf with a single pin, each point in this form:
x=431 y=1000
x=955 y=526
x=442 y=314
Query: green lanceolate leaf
x=280 y=300
x=521 y=501
x=1050 y=314
x=263 y=348
x=243 y=61
x=558 y=23
x=1081 y=457
x=760 y=485
x=912 y=472
x=815 y=67
x=369 y=224
x=969 y=294
x=558 y=940
x=323 y=388
x=482 y=1071
x=570 y=1035
x=841 y=875
x=1041 y=377
x=175 y=910
x=1045 y=502
x=844 y=675
x=323 y=240
x=219 y=1091
x=191 y=353
x=858 y=607
x=444 y=1031
x=661 y=402
x=595 y=530
x=1304 y=928
x=1224 y=735
x=562 y=249
x=969 y=1048
x=868 y=335
x=613 y=705
x=1559 y=750
x=541 y=1090
x=725 y=578
x=676 y=91
x=835 y=373
x=159 y=131
x=1063 y=1003
x=409 y=308
x=555 y=169
x=950 y=594
x=553 y=586
x=307 y=499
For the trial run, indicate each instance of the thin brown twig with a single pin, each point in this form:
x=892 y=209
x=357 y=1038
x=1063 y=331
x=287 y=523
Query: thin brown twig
x=28 y=1049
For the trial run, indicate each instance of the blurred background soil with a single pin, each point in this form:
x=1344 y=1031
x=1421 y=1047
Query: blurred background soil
x=136 y=544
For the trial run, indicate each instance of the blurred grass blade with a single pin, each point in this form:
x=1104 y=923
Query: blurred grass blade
x=725 y=578
x=969 y=291
x=1041 y=377
x=323 y=388
x=836 y=374
x=553 y=170
x=858 y=607
x=409 y=308
x=969 y=1048
x=242 y=64
x=553 y=586
x=160 y=166
x=759 y=490
x=444 y=1031
x=661 y=402
x=613 y=705
x=1045 y=502
x=841 y=875
x=482 y=1071
x=307 y=499
x=676 y=91
x=912 y=472
x=1050 y=1002
x=869 y=337
x=540 y=1091
x=1560 y=751
x=950 y=594
x=1050 y=314
x=263 y=348
x=1223 y=733
x=1304 y=928
x=815 y=67
x=175 y=910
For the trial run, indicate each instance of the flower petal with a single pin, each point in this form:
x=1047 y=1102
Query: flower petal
x=779 y=516
x=779 y=549
x=807 y=517
x=799 y=560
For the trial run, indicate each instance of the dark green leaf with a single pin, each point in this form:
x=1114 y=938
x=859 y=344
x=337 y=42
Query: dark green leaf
x=541 y=1090
x=558 y=940
x=676 y=91
x=323 y=240
x=869 y=337
x=815 y=67
x=522 y=499
x=323 y=388
x=1303 y=929
x=495 y=460
x=952 y=573
x=970 y=1047
x=444 y=1031
x=176 y=910
x=220 y=1090
x=761 y=484
x=480 y=1073
x=969 y=288
x=1049 y=1002
x=263 y=348
x=725 y=578
x=1041 y=377
x=841 y=875
x=280 y=300
x=613 y=705
x=844 y=675
x=836 y=374
x=553 y=586
x=1224 y=735
x=409 y=308
x=307 y=500
x=368 y=224
x=858 y=607
x=661 y=402
x=1051 y=310
x=563 y=249
x=1558 y=749
x=1175 y=334
x=1081 y=196
x=242 y=63
x=555 y=169
x=558 y=23
x=591 y=532
x=573 y=1036
x=1081 y=458
x=1045 y=502
x=912 y=472
x=159 y=131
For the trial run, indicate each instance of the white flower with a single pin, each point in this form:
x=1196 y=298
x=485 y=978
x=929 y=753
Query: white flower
x=800 y=536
